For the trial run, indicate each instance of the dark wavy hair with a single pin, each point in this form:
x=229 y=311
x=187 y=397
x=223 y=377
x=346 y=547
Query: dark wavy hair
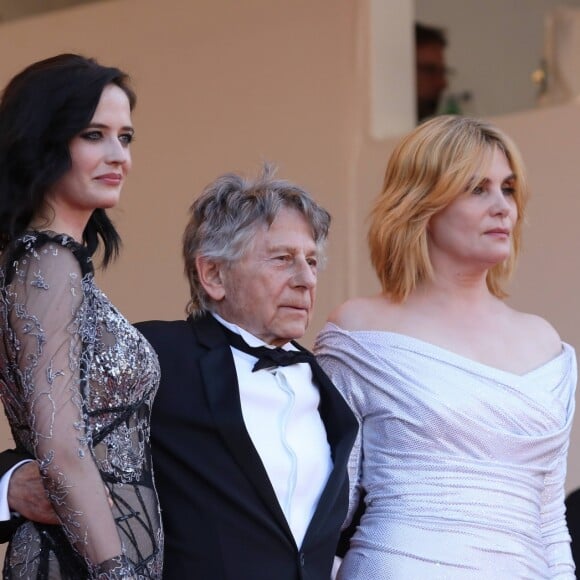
x=41 y=110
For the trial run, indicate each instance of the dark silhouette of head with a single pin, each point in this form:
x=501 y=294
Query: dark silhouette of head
x=432 y=72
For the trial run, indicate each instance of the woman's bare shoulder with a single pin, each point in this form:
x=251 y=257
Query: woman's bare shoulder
x=537 y=331
x=362 y=313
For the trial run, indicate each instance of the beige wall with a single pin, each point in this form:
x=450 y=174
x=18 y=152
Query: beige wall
x=474 y=59
x=224 y=84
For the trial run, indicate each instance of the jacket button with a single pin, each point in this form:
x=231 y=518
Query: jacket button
x=302 y=559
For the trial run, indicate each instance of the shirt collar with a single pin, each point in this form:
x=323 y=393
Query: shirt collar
x=247 y=336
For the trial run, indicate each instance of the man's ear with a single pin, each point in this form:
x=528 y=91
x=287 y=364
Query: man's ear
x=210 y=277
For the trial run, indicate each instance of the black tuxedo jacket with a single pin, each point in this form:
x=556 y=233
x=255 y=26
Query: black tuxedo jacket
x=221 y=518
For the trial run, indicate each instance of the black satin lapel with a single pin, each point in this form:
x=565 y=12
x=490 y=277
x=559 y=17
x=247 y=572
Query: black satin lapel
x=221 y=387
x=339 y=420
x=341 y=428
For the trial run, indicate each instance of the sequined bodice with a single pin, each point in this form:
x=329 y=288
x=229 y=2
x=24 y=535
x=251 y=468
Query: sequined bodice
x=77 y=382
x=463 y=465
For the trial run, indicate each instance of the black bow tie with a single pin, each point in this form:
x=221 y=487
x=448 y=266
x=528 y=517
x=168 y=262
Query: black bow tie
x=268 y=357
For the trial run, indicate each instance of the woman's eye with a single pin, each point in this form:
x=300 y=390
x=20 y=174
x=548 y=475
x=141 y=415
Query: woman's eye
x=126 y=138
x=477 y=190
x=92 y=135
x=509 y=187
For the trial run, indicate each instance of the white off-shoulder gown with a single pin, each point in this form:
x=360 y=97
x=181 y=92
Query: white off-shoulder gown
x=463 y=464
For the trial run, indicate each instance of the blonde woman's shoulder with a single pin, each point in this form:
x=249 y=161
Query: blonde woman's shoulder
x=363 y=313
x=538 y=333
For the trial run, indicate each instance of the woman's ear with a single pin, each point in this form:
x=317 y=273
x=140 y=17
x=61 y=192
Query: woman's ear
x=210 y=277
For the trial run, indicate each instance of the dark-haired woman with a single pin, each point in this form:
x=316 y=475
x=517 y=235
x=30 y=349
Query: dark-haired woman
x=76 y=379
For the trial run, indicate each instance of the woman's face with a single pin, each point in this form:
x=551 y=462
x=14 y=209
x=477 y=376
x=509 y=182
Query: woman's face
x=101 y=159
x=477 y=226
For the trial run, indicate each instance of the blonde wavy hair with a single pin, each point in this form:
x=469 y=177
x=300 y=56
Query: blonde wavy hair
x=430 y=168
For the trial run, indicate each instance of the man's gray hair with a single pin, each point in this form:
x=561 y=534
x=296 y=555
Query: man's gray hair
x=226 y=216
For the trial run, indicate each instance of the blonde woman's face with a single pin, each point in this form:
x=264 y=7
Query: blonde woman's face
x=476 y=228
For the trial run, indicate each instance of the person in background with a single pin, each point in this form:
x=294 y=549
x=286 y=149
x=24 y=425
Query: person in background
x=573 y=521
x=250 y=438
x=465 y=404
x=430 y=44
x=76 y=379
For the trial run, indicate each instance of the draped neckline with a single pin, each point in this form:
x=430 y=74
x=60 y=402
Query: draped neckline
x=408 y=342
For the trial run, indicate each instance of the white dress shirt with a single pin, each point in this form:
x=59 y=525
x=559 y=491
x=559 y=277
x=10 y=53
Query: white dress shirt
x=280 y=411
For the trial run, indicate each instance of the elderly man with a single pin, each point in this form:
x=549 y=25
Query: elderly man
x=250 y=439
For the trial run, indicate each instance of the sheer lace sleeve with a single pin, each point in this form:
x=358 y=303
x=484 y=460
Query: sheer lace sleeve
x=49 y=318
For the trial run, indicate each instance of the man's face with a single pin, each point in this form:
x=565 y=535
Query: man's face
x=431 y=78
x=270 y=291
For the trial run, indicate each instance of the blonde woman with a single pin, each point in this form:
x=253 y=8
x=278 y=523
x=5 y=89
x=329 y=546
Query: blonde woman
x=465 y=404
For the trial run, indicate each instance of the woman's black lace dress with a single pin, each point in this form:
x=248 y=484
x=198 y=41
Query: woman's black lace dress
x=77 y=382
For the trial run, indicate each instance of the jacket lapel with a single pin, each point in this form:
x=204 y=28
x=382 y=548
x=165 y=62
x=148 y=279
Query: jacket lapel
x=341 y=429
x=223 y=395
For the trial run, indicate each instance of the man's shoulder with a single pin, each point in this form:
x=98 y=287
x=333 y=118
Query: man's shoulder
x=163 y=331
x=167 y=325
x=194 y=330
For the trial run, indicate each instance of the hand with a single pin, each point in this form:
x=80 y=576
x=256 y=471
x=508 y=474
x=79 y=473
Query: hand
x=27 y=496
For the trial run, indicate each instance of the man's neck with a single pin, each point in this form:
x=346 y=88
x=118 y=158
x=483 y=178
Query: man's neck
x=250 y=338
